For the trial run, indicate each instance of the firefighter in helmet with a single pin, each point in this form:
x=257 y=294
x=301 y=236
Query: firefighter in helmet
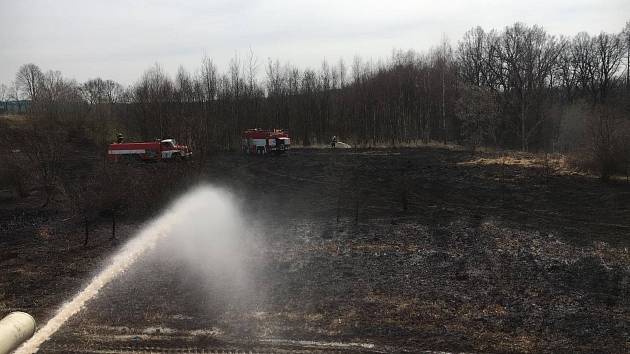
x=119 y=138
x=333 y=141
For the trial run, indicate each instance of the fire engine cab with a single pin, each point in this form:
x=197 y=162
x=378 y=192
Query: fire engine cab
x=166 y=149
x=259 y=141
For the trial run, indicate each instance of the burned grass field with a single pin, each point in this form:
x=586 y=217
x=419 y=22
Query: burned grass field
x=386 y=250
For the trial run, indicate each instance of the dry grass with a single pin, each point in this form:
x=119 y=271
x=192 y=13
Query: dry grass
x=13 y=119
x=552 y=163
x=385 y=145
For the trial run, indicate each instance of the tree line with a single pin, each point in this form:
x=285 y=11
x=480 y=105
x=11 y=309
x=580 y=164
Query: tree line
x=516 y=88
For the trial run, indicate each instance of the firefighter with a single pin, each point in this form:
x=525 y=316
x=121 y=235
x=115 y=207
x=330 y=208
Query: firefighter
x=119 y=138
x=333 y=141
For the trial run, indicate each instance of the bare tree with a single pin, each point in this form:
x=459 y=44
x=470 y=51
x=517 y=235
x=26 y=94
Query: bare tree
x=472 y=57
x=585 y=60
x=478 y=113
x=14 y=95
x=609 y=51
x=343 y=72
x=445 y=59
x=83 y=202
x=99 y=91
x=529 y=56
x=152 y=95
x=566 y=70
x=4 y=91
x=252 y=69
x=626 y=37
x=29 y=80
x=209 y=79
x=208 y=83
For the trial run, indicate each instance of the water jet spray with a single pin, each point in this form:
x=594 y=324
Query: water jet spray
x=203 y=202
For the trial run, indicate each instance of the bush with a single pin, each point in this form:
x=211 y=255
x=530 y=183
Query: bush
x=14 y=175
x=596 y=139
x=610 y=142
x=608 y=146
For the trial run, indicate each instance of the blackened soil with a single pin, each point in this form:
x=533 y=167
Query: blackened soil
x=386 y=250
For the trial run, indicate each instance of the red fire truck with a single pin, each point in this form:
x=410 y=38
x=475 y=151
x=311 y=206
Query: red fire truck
x=166 y=149
x=260 y=141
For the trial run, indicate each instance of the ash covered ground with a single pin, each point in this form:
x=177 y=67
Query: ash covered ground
x=386 y=250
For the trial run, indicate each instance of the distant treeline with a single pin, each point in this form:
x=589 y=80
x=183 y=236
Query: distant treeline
x=14 y=106
x=518 y=88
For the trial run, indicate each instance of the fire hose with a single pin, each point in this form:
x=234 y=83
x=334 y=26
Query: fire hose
x=15 y=329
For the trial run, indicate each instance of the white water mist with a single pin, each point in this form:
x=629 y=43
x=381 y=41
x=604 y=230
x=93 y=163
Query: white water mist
x=203 y=224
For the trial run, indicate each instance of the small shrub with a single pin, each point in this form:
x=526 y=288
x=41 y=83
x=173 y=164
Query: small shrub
x=15 y=176
x=603 y=145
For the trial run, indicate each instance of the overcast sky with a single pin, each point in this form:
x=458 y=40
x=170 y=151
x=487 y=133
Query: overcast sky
x=120 y=39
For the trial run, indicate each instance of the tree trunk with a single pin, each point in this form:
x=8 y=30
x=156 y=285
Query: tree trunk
x=443 y=110
x=87 y=232
x=523 y=133
x=113 y=226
